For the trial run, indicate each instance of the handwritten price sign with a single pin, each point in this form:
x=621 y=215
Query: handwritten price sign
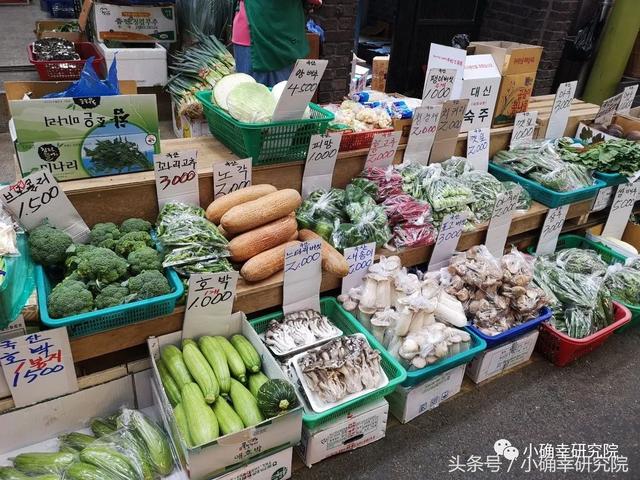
x=626 y=102
x=447 y=241
x=500 y=222
x=438 y=86
x=383 y=149
x=621 y=208
x=359 y=258
x=177 y=177
x=608 y=109
x=230 y=176
x=478 y=148
x=210 y=299
x=524 y=126
x=423 y=131
x=603 y=199
x=302 y=84
x=561 y=109
x=302 y=276
x=551 y=230
x=321 y=159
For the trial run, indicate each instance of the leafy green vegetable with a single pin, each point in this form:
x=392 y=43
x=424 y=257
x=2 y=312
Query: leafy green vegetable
x=614 y=156
x=485 y=188
x=577 y=260
x=251 y=103
x=116 y=154
x=624 y=284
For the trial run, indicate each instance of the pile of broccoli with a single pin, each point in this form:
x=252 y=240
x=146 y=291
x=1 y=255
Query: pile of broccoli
x=118 y=266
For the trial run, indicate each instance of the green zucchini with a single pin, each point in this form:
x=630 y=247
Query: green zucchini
x=86 y=471
x=41 y=463
x=76 y=440
x=10 y=473
x=154 y=440
x=102 y=426
x=202 y=422
x=114 y=462
x=236 y=364
x=245 y=404
x=256 y=380
x=247 y=352
x=135 y=452
x=169 y=384
x=172 y=358
x=228 y=419
x=183 y=426
x=200 y=370
x=276 y=397
x=214 y=354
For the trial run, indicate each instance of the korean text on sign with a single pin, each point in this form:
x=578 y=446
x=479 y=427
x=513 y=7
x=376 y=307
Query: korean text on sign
x=321 y=160
x=177 y=177
x=383 y=149
x=230 y=176
x=210 y=299
x=302 y=277
x=359 y=259
x=301 y=86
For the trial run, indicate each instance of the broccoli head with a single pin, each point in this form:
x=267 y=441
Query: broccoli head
x=73 y=255
x=48 y=245
x=68 y=298
x=104 y=235
x=132 y=241
x=135 y=225
x=145 y=258
x=148 y=284
x=101 y=265
x=111 y=295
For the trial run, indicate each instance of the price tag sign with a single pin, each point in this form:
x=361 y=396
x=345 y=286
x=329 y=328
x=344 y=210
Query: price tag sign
x=321 y=159
x=38 y=198
x=423 y=132
x=621 y=208
x=524 y=126
x=383 y=149
x=551 y=230
x=603 y=199
x=301 y=86
x=438 y=85
x=626 y=102
x=302 y=277
x=38 y=366
x=478 y=148
x=177 y=177
x=16 y=328
x=210 y=300
x=561 y=109
x=500 y=222
x=230 y=176
x=447 y=241
x=359 y=258
x=608 y=109
x=449 y=126
x=442 y=56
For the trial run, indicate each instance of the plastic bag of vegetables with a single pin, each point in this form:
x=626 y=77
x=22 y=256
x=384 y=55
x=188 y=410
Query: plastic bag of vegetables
x=367 y=223
x=578 y=260
x=320 y=211
x=485 y=188
x=456 y=166
x=624 y=283
x=447 y=192
x=388 y=182
x=524 y=198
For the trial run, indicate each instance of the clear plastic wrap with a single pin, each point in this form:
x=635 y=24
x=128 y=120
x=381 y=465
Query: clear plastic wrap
x=485 y=188
x=405 y=209
x=8 y=238
x=367 y=223
x=320 y=211
x=624 y=283
x=524 y=198
x=447 y=192
x=456 y=166
x=583 y=261
x=387 y=180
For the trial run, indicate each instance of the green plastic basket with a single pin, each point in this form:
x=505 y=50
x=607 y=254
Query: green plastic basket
x=349 y=325
x=265 y=143
x=18 y=284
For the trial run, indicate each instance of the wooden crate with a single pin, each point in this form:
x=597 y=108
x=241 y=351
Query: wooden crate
x=580 y=112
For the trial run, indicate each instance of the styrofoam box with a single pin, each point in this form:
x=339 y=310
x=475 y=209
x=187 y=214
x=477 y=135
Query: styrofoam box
x=355 y=429
x=238 y=449
x=147 y=66
x=406 y=403
x=491 y=362
x=276 y=466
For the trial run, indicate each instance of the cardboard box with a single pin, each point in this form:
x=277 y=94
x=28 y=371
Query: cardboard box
x=492 y=362
x=186 y=127
x=274 y=466
x=407 y=403
x=228 y=452
x=135 y=23
x=589 y=134
x=379 y=70
x=481 y=84
x=518 y=63
x=45 y=29
x=628 y=122
x=147 y=66
x=631 y=235
x=356 y=429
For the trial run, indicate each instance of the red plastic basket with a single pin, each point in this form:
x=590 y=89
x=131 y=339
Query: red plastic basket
x=359 y=140
x=561 y=349
x=69 y=69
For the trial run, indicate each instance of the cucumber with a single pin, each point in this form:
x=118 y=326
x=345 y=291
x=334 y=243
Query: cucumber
x=236 y=365
x=76 y=440
x=256 y=380
x=108 y=459
x=136 y=452
x=41 y=463
x=200 y=370
x=181 y=422
x=154 y=442
x=202 y=422
x=247 y=352
x=102 y=426
x=172 y=358
x=169 y=384
x=86 y=471
x=245 y=404
x=228 y=419
x=218 y=361
x=10 y=473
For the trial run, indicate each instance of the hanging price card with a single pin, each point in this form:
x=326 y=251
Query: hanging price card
x=551 y=230
x=608 y=109
x=603 y=199
x=524 y=126
x=38 y=366
x=423 y=132
x=561 y=109
x=210 y=299
x=438 y=85
x=321 y=158
x=500 y=222
x=38 y=198
x=15 y=329
x=478 y=148
x=626 y=102
x=383 y=149
x=177 y=177
x=230 y=176
x=449 y=126
x=302 y=277
x=447 y=241
x=301 y=86
x=441 y=56
x=621 y=208
x=359 y=258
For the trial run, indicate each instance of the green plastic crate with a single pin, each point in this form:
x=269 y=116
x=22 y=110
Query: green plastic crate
x=18 y=284
x=349 y=325
x=265 y=143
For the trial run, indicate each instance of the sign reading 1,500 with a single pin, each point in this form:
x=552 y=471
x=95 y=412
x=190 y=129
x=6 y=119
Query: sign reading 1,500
x=35 y=203
x=177 y=179
x=210 y=297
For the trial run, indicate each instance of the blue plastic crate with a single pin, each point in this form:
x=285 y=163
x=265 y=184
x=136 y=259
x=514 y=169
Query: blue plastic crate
x=61 y=8
x=611 y=179
x=18 y=284
x=495 y=340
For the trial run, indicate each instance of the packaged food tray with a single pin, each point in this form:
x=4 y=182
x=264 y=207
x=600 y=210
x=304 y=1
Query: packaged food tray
x=494 y=340
x=69 y=69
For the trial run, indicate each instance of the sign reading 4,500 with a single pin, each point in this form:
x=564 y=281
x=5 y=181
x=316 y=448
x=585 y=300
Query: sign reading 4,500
x=184 y=177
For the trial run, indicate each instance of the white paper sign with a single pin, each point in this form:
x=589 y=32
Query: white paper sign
x=438 y=85
x=302 y=84
x=15 y=329
x=37 y=198
x=608 y=109
x=524 y=126
x=210 y=300
x=423 y=131
x=38 y=366
x=177 y=177
x=500 y=222
x=626 y=102
x=551 y=230
x=230 y=176
x=561 y=109
x=302 y=277
x=441 y=56
x=481 y=84
x=478 y=148
x=359 y=258
x=603 y=199
x=448 y=129
x=321 y=159
x=621 y=208
x=383 y=149
x=447 y=241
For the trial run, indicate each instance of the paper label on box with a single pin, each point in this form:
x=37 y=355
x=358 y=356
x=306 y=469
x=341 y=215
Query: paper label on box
x=448 y=237
x=321 y=160
x=551 y=230
x=383 y=149
x=135 y=23
x=500 y=223
x=524 y=127
x=38 y=198
x=480 y=86
x=359 y=258
x=492 y=362
x=448 y=129
x=561 y=109
x=438 y=85
x=621 y=208
x=608 y=109
x=302 y=277
x=478 y=148
x=422 y=133
x=603 y=199
x=302 y=84
x=38 y=366
x=273 y=467
x=16 y=328
x=177 y=177
x=626 y=102
x=441 y=56
x=231 y=175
